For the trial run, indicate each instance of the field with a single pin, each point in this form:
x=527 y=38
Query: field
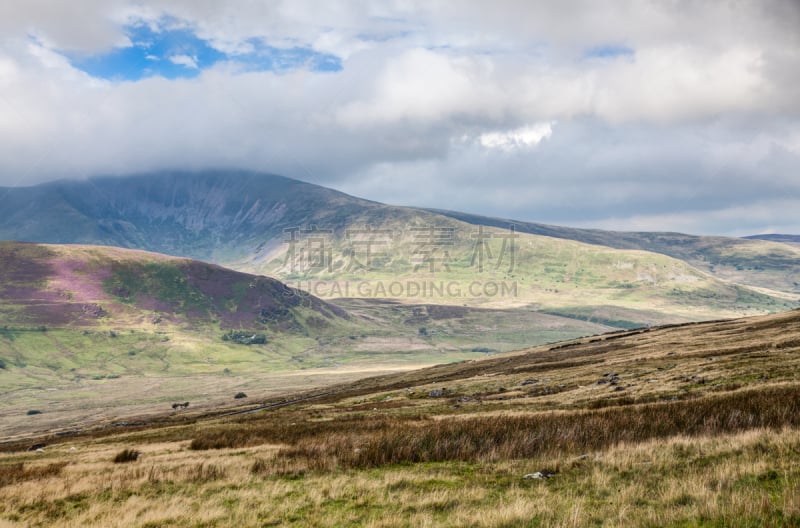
x=686 y=425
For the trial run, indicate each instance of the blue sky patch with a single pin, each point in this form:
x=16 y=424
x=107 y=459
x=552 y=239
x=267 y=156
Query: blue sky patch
x=175 y=53
x=608 y=51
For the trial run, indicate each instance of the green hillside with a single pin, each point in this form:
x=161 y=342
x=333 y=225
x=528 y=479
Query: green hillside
x=455 y=263
x=771 y=262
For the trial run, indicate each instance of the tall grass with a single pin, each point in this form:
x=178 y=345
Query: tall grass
x=379 y=442
x=279 y=431
x=19 y=472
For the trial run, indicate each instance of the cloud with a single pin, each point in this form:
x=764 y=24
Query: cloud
x=184 y=60
x=523 y=137
x=756 y=218
x=663 y=114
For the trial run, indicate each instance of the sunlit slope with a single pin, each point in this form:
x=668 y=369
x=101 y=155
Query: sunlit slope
x=771 y=262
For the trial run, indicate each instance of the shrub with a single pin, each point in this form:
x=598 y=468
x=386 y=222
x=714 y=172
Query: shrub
x=33 y=411
x=126 y=455
x=240 y=395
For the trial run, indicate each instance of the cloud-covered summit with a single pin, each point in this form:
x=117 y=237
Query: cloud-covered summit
x=629 y=115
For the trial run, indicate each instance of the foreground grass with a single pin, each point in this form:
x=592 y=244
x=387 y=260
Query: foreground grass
x=375 y=441
x=696 y=425
x=747 y=479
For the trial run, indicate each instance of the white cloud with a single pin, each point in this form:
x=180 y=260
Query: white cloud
x=184 y=60
x=423 y=85
x=523 y=137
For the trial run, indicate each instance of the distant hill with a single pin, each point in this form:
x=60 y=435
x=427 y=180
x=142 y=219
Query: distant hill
x=754 y=261
x=787 y=239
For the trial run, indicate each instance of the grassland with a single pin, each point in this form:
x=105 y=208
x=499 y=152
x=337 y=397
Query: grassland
x=689 y=425
x=763 y=261
x=495 y=268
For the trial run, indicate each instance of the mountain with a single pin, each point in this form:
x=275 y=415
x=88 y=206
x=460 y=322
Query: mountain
x=217 y=215
x=210 y=215
x=339 y=246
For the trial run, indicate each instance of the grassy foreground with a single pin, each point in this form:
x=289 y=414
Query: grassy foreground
x=747 y=479
x=750 y=478
x=692 y=425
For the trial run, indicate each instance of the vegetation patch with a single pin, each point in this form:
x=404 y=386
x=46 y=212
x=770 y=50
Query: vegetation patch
x=126 y=455
x=21 y=472
x=245 y=338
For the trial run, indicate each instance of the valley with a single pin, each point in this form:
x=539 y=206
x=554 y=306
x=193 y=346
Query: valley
x=306 y=287
x=175 y=348
x=87 y=328
x=294 y=263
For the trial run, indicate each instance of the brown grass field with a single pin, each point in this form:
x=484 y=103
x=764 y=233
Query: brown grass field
x=685 y=425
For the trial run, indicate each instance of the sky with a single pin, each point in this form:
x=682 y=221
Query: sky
x=658 y=115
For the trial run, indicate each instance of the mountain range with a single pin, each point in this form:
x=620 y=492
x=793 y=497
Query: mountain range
x=296 y=231
x=131 y=291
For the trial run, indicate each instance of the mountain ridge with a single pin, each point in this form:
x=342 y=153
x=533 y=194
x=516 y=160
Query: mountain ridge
x=245 y=220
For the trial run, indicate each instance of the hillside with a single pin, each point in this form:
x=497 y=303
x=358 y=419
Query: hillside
x=765 y=262
x=786 y=239
x=337 y=246
x=621 y=288
x=684 y=425
x=109 y=287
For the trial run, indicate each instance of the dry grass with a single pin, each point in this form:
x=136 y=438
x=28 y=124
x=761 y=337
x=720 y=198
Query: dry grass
x=719 y=449
x=20 y=472
x=750 y=478
x=374 y=441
